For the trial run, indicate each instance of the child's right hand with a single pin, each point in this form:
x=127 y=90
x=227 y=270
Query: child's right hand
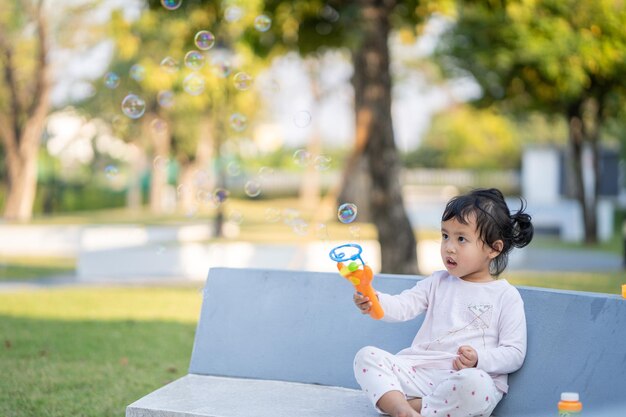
x=362 y=302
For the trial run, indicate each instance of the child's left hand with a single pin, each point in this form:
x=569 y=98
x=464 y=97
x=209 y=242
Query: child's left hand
x=468 y=358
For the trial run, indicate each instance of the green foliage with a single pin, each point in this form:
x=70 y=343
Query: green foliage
x=66 y=197
x=158 y=34
x=545 y=55
x=538 y=128
x=310 y=26
x=469 y=139
x=21 y=47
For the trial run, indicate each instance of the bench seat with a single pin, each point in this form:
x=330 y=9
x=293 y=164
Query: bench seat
x=273 y=343
x=213 y=396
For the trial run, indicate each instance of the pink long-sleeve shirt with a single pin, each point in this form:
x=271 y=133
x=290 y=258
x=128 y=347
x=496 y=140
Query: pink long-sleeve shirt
x=486 y=316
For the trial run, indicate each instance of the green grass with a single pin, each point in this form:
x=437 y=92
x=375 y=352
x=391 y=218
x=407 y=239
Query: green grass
x=31 y=267
x=91 y=352
x=614 y=245
x=602 y=282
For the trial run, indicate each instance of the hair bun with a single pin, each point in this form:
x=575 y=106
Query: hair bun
x=523 y=229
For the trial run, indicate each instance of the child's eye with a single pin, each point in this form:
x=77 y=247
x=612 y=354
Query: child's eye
x=462 y=239
x=444 y=236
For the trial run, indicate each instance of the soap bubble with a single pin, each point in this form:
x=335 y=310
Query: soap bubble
x=204 y=40
x=220 y=195
x=243 y=81
x=222 y=66
x=302 y=157
x=165 y=98
x=329 y=13
x=193 y=84
x=302 y=119
x=137 y=72
x=158 y=125
x=171 y=4
x=355 y=232
x=182 y=190
x=272 y=214
x=169 y=65
x=133 y=106
x=300 y=227
x=203 y=196
x=265 y=173
x=111 y=80
x=233 y=169
x=194 y=60
x=347 y=212
x=262 y=23
x=290 y=216
x=233 y=13
x=119 y=123
x=238 y=122
x=322 y=162
x=159 y=163
x=253 y=188
x=111 y=171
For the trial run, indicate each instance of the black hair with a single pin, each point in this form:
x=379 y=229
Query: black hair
x=494 y=222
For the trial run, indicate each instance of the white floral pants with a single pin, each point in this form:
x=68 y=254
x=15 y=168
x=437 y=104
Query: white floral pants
x=444 y=393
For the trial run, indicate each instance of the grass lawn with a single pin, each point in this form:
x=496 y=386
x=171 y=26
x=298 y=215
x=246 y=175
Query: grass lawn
x=91 y=352
x=604 y=282
x=31 y=267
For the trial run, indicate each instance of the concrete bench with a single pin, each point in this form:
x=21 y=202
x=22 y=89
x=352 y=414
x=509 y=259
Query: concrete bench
x=272 y=343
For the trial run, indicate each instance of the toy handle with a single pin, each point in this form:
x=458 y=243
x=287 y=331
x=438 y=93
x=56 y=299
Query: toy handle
x=362 y=281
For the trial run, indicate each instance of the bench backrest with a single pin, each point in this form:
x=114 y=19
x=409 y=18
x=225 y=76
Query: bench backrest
x=303 y=327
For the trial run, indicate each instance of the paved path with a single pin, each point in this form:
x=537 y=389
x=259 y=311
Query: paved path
x=534 y=259
x=577 y=260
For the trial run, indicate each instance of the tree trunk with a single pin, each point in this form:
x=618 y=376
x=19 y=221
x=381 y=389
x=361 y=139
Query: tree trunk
x=372 y=80
x=21 y=127
x=593 y=133
x=355 y=178
x=188 y=184
x=160 y=140
x=586 y=198
x=22 y=180
x=138 y=164
x=310 y=188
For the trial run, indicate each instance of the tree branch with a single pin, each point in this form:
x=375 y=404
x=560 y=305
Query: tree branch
x=10 y=125
x=41 y=92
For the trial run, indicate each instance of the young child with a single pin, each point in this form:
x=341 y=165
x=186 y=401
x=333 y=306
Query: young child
x=474 y=330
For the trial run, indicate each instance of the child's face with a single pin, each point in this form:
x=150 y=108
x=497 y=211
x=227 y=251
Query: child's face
x=463 y=253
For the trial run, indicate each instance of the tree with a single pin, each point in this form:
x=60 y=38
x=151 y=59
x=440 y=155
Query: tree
x=558 y=57
x=24 y=99
x=466 y=138
x=33 y=35
x=204 y=95
x=363 y=27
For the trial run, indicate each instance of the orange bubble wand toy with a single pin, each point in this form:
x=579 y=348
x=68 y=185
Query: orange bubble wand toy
x=358 y=273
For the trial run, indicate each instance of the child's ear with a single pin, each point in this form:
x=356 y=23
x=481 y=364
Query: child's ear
x=496 y=248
